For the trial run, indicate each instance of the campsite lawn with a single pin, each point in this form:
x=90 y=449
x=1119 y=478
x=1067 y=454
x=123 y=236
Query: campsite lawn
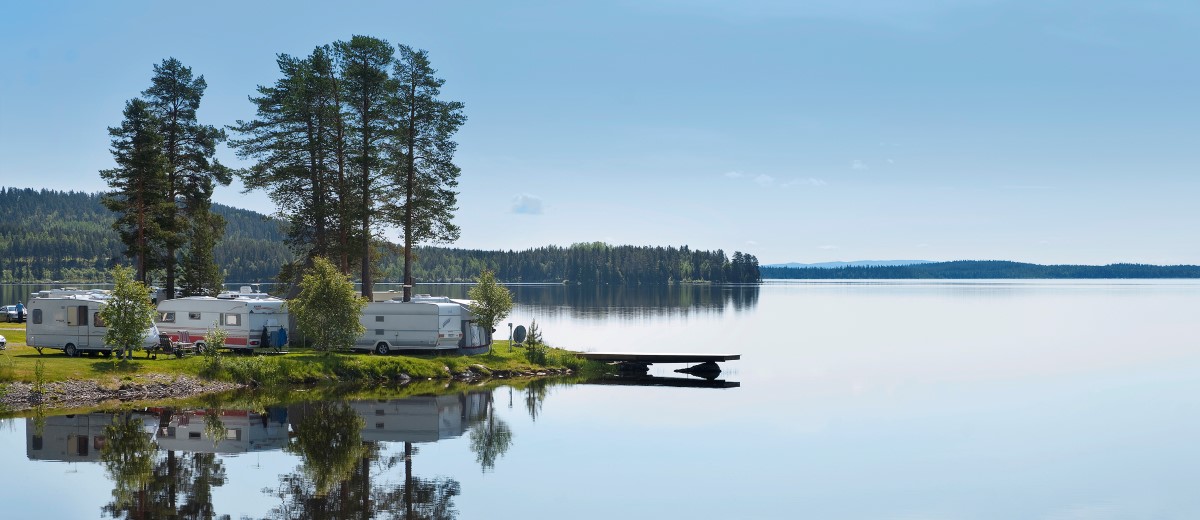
x=299 y=366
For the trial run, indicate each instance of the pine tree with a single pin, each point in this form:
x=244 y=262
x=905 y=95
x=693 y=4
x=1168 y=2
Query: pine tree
x=298 y=139
x=424 y=153
x=190 y=149
x=199 y=274
x=140 y=185
x=366 y=89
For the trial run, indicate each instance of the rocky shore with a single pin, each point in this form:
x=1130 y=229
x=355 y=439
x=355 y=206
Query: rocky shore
x=84 y=393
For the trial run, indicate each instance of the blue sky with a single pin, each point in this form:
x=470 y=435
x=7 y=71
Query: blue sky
x=1047 y=131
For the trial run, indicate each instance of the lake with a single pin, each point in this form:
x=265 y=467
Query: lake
x=857 y=400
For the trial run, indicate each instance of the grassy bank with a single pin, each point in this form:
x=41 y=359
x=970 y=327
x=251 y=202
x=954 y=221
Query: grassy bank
x=300 y=366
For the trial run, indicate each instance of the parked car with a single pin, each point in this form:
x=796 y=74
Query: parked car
x=10 y=313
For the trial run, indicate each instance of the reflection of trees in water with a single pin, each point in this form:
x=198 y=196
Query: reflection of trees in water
x=339 y=475
x=535 y=395
x=201 y=472
x=148 y=484
x=327 y=440
x=418 y=498
x=625 y=301
x=490 y=439
x=128 y=456
x=332 y=456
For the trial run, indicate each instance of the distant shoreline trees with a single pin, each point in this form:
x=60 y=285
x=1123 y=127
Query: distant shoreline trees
x=50 y=235
x=68 y=236
x=982 y=269
x=589 y=263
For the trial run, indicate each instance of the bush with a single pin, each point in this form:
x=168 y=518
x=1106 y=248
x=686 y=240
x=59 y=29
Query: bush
x=214 y=342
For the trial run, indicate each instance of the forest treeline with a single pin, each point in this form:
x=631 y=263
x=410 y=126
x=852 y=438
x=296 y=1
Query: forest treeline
x=584 y=263
x=50 y=235
x=983 y=269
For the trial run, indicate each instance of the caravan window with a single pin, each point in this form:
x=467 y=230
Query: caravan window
x=77 y=316
x=97 y=321
x=37 y=316
x=166 y=317
x=231 y=320
x=193 y=315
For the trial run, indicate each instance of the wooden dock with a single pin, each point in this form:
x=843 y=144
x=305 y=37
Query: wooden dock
x=639 y=363
x=632 y=357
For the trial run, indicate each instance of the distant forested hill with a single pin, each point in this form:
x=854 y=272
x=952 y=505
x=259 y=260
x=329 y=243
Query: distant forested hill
x=67 y=236
x=52 y=235
x=974 y=269
x=584 y=263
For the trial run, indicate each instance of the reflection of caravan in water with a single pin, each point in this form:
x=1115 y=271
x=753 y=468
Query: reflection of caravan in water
x=421 y=418
x=425 y=323
x=71 y=438
x=242 y=314
x=241 y=431
x=71 y=323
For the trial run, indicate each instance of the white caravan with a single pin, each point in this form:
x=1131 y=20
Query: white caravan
x=425 y=323
x=72 y=324
x=242 y=314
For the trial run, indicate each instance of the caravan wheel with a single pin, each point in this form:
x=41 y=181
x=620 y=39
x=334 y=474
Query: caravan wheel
x=70 y=350
x=381 y=348
x=201 y=347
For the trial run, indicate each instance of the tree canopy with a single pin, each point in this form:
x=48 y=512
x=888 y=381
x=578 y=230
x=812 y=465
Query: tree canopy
x=352 y=140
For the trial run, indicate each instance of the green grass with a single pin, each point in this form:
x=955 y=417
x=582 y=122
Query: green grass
x=301 y=366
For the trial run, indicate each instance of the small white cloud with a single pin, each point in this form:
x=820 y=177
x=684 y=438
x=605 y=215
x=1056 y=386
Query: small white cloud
x=804 y=182
x=751 y=242
x=858 y=164
x=526 y=204
x=827 y=248
x=734 y=174
x=891 y=161
x=764 y=180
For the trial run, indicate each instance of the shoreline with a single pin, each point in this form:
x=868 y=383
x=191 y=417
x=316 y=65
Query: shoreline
x=19 y=397
x=82 y=393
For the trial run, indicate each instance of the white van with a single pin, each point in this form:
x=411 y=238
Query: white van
x=425 y=323
x=242 y=314
x=72 y=324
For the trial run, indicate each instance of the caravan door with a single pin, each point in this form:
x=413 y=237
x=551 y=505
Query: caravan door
x=77 y=325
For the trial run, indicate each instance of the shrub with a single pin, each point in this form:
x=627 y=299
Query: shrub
x=214 y=342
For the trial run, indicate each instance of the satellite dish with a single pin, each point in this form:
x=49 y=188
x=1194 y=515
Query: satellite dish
x=519 y=334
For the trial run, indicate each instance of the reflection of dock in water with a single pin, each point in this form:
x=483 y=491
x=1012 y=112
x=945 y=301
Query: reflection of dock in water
x=647 y=380
x=421 y=418
x=72 y=438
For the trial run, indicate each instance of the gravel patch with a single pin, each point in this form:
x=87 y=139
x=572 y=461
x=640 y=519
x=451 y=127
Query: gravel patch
x=77 y=394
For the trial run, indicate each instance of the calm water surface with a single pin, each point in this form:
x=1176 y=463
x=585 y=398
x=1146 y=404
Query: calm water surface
x=867 y=400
